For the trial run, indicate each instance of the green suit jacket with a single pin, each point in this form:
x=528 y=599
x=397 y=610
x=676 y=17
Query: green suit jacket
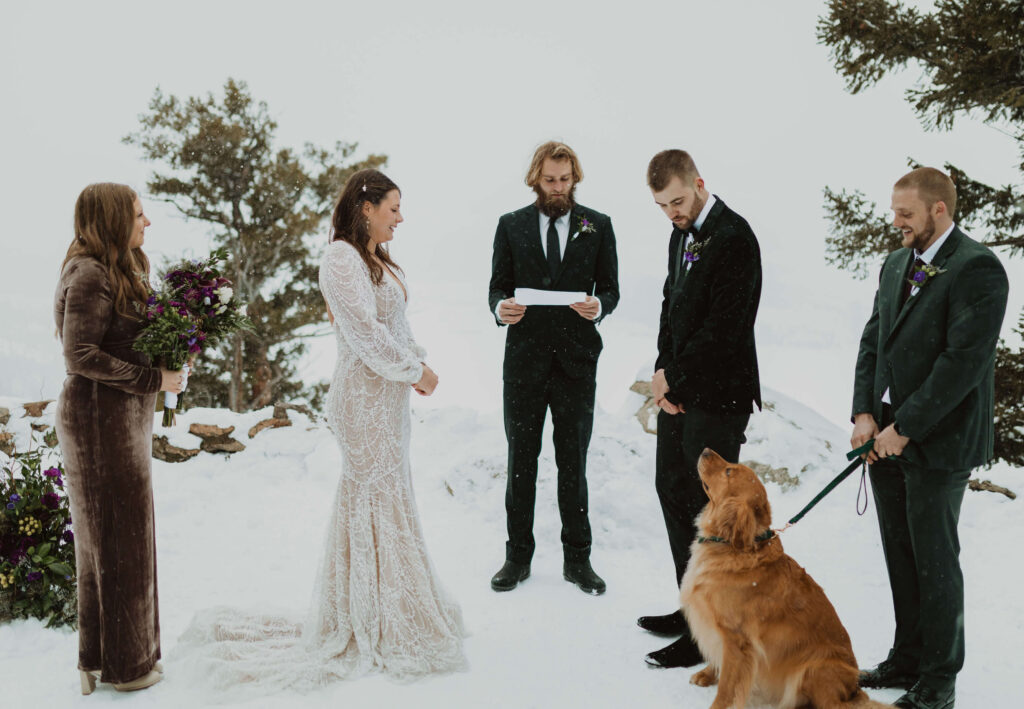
x=936 y=354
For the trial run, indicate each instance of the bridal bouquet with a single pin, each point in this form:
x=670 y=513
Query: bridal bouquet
x=192 y=308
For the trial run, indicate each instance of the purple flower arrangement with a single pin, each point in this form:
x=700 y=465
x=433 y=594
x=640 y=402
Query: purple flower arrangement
x=193 y=308
x=692 y=253
x=37 y=551
x=584 y=226
x=924 y=273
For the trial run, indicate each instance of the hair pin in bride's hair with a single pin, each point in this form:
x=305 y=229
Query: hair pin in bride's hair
x=364 y=187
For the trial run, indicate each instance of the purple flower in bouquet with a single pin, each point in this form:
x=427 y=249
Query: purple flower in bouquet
x=14 y=497
x=51 y=500
x=52 y=472
x=68 y=536
x=10 y=505
x=193 y=310
x=34 y=576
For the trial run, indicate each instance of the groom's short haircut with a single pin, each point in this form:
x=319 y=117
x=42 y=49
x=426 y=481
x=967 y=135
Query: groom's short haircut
x=555 y=151
x=668 y=164
x=932 y=186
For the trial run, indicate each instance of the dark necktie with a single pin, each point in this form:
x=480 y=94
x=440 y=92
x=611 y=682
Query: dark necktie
x=554 y=257
x=908 y=285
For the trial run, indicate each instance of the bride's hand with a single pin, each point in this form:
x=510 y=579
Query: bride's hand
x=427 y=383
x=172 y=381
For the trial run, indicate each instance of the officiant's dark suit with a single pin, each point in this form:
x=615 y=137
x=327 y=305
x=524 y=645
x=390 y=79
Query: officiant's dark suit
x=930 y=354
x=550 y=362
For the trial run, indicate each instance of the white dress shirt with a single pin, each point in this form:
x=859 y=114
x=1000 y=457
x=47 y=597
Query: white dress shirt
x=562 y=227
x=927 y=257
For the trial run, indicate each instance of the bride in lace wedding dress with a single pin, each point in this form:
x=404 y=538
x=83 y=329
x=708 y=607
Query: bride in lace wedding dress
x=377 y=604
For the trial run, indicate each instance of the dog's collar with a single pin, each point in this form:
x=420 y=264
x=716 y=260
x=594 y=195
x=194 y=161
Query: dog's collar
x=762 y=537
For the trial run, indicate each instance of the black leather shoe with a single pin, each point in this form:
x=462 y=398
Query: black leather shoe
x=887 y=674
x=682 y=653
x=921 y=696
x=671 y=624
x=509 y=576
x=581 y=574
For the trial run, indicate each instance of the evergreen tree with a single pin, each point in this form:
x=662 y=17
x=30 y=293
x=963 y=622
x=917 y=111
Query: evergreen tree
x=267 y=206
x=971 y=56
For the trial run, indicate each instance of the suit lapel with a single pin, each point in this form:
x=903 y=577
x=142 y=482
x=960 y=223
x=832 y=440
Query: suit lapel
x=530 y=227
x=894 y=287
x=705 y=232
x=947 y=250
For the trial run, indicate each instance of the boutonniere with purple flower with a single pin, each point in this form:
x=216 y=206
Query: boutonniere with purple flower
x=924 y=273
x=584 y=226
x=692 y=253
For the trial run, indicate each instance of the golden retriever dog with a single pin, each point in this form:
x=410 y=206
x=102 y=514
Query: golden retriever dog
x=764 y=626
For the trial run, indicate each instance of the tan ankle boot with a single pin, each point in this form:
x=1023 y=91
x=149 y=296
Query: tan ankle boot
x=146 y=680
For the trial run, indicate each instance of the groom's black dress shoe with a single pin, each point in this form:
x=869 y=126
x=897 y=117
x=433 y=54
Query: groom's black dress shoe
x=581 y=574
x=921 y=696
x=509 y=576
x=682 y=653
x=887 y=674
x=671 y=624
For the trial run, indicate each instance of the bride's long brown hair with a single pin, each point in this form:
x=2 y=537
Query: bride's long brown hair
x=104 y=218
x=349 y=224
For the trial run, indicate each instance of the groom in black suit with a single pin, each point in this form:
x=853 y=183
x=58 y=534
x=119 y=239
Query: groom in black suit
x=706 y=378
x=551 y=354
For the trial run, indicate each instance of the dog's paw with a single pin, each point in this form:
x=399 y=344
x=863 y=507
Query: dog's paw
x=707 y=677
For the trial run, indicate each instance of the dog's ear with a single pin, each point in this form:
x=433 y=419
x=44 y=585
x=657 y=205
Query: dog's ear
x=738 y=523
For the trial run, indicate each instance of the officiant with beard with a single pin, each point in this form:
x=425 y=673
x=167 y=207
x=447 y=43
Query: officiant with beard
x=551 y=354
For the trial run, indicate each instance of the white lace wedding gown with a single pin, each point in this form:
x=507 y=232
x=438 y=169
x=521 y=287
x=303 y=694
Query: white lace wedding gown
x=377 y=602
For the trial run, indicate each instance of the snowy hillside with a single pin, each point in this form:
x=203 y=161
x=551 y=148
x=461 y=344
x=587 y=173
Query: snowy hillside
x=247 y=530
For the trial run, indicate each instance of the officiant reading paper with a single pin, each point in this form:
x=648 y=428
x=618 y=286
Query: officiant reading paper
x=551 y=353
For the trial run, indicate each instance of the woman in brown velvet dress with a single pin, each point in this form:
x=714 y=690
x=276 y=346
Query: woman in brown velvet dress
x=104 y=423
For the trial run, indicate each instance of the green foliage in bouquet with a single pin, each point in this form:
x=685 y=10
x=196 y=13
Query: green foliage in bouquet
x=192 y=308
x=37 y=551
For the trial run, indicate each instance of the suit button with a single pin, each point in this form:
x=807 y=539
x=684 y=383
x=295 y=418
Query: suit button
x=546 y=281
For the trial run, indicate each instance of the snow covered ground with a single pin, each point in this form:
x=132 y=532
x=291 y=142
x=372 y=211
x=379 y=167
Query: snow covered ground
x=247 y=530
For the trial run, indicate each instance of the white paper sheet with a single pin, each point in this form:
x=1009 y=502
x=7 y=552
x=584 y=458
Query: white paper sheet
x=532 y=296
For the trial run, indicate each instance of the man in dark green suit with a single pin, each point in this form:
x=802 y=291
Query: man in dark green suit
x=924 y=392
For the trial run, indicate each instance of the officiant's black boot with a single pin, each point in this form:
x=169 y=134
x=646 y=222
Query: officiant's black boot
x=682 y=653
x=671 y=624
x=581 y=574
x=509 y=576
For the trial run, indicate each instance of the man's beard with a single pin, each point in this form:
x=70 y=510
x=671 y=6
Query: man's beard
x=920 y=239
x=555 y=206
x=691 y=218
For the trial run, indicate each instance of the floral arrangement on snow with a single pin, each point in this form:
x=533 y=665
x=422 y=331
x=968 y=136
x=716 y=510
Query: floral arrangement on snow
x=37 y=550
x=193 y=307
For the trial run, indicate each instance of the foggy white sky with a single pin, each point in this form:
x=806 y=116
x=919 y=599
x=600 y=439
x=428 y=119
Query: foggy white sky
x=458 y=95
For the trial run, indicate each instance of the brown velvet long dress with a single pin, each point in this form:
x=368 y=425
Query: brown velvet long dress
x=105 y=427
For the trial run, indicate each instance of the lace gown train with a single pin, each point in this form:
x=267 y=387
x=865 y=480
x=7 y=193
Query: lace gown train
x=377 y=602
